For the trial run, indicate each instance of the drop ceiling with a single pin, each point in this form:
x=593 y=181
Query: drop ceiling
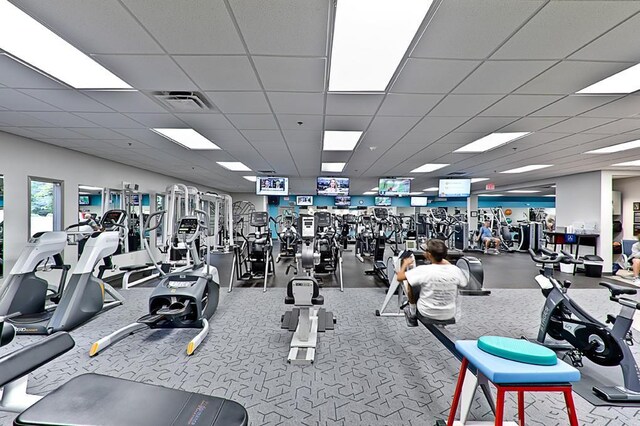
x=473 y=69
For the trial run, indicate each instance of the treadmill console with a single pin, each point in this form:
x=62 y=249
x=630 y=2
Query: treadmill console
x=308 y=227
x=381 y=214
x=188 y=226
x=258 y=219
x=323 y=219
x=350 y=219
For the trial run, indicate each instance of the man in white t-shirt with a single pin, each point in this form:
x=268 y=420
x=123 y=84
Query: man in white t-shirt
x=634 y=259
x=437 y=283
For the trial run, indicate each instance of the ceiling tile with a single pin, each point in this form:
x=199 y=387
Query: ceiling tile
x=574 y=105
x=11 y=118
x=519 y=105
x=58 y=133
x=401 y=104
x=392 y=127
x=309 y=122
x=209 y=121
x=578 y=22
x=16 y=75
x=283 y=27
x=67 y=100
x=347 y=104
x=240 y=102
x=125 y=101
x=347 y=122
x=486 y=24
x=613 y=45
x=485 y=124
x=531 y=124
x=619 y=126
x=201 y=27
x=303 y=137
x=147 y=72
x=512 y=74
x=157 y=120
x=463 y=105
x=625 y=107
x=291 y=103
x=22 y=131
x=433 y=128
x=220 y=72
x=577 y=125
x=291 y=74
x=568 y=77
x=253 y=121
x=98 y=26
x=16 y=101
x=98 y=133
x=263 y=136
x=431 y=75
x=109 y=120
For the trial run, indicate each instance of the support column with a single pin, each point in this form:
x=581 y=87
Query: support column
x=472 y=206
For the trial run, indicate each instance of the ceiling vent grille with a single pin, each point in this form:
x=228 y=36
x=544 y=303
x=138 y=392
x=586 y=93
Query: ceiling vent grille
x=266 y=172
x=457 y=174
x=184 y=101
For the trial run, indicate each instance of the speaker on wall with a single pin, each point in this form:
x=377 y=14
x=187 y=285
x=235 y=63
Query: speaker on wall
x=273 y=200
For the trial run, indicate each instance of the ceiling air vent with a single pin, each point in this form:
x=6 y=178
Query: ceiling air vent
x=184 y=101
x=266 y=172
x=457 y=174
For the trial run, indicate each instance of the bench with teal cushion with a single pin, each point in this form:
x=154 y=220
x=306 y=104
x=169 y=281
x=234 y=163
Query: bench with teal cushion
x=517 y=350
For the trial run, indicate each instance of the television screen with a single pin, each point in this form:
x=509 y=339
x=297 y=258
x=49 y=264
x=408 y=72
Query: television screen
x=272 y=185
x=392 y=186
x=343 y=201
x=383 y=201
x=304 y=200
x=83 y=200
x=332 y=186
x=135 y=199
x=454 y=188
x=419 y=201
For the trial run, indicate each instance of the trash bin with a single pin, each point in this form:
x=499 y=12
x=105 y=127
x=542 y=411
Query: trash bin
x=593 y=265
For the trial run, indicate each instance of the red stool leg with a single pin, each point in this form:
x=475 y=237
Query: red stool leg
x=571 y=408
x=521 y=407
x=458 y=392
x=499 y=406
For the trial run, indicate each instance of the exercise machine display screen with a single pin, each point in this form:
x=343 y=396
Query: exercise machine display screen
x=351 y=219
x=381 y=214
x=113 y=216
x=323 y=219
x=308 y=227
x=188 y=226
x=259 y=219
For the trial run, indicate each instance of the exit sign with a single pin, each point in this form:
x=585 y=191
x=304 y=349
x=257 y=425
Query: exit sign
x=490 y=186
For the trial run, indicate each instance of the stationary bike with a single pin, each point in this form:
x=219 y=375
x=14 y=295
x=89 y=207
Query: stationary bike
x=303 y=292
x=564 y=320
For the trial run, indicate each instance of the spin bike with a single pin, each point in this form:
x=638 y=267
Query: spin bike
x=565 y=321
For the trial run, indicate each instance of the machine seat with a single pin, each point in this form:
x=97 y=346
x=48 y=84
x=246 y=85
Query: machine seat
x=428 y=321
x=90 y=399
x=318 y=300
x=617 y=290
x=130 y=268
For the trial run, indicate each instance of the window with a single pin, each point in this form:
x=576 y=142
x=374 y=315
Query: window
x=45 y=205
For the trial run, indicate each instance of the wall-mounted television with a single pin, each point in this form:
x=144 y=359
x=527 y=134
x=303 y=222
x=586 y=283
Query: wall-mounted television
x=419 y=201
x=332 y=186
x=342 y=201
x=454 y=188
x=304 y=200
x=272 y=185
x=394 y=186
x=83 y=200
x=382 y=201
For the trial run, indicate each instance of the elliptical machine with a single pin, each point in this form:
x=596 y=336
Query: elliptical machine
x=304 y=319
x=186 y=299
x=44 y=310
x=381 y=219
x=364 y=238
x=253 y=259
x=326 y=245
x=287 y=236
x=565 y=321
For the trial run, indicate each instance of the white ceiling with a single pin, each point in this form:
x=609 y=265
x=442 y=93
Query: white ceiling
x=474 y=68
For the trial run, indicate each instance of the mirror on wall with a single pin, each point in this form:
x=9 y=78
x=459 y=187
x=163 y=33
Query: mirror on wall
x=89 y=214
x=45 y=205
x=1 y=225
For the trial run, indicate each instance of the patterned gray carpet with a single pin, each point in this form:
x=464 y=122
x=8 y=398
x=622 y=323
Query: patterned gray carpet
x=368 y=371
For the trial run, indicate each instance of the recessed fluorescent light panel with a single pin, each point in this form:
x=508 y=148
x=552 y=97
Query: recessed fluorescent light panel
x=234 y=166
x=550 y=195
x=340 y=141
x=627 y=81
x=616 y=148
x=429 y=167
x=250 y=178
x=369 y=40
x=523 y=191
x=90 y=188
x=528 y=168
x=433 y=188
x=628 y=164
x=375 y=189
x=492 y=141
x=333 y=167
x=489 y=195
x=474 y=180
x=188 y=138
x=370 y=193
x=415 y=193
x=31 y=42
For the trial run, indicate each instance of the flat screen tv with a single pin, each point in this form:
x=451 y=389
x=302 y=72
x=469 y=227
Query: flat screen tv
x=83 y=200
x=272 y=185
x=394 y=186
x=382 y=201
x=304 y=200
x=342 y=201
x=419 y=201
x=454 y=188
x=332 y=186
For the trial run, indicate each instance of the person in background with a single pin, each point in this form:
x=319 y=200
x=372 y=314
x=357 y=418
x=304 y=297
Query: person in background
x=486 y=236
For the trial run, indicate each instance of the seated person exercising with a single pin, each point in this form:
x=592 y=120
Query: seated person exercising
x=437 y=283
x=634 y=259
x=486 y=236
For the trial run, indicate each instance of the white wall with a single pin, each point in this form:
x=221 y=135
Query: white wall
x=578 y=199
x=260 y=201
x=21 y=157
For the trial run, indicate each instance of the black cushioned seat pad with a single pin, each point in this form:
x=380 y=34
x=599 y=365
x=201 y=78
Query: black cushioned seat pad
x=94 y=399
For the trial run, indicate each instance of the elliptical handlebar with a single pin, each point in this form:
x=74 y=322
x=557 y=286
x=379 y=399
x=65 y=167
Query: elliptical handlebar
x=160 y=214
